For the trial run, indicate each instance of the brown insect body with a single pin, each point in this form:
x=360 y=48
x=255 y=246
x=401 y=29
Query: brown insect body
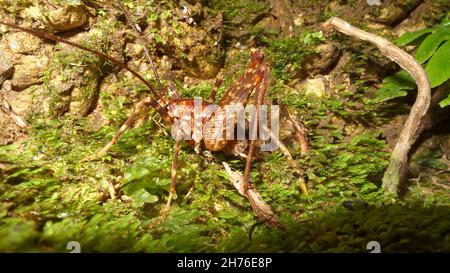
x=254 y=80
x=238 y=93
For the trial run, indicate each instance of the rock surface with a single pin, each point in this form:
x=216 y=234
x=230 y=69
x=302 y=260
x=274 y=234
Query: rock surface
x=21 y=105
x=20 y=43
x=66 y=18
x=396 y=11
x=196 y=45
x=314 y=87
x=328 y=56
x=6 y=69
x=29 y=71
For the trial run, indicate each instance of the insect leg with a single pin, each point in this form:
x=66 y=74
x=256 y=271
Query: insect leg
x=212 y=96
x=285 y=151
x=139 y=106
x=300 y=131
x=173 y=176
x=260 y=92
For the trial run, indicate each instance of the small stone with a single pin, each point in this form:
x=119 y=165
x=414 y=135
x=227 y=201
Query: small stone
x=21 y=42
x=315 y=87
x=6 y=68
x=66 y=18
x=29 y=71
x=373 y=2
x=7 y=85
x=376 y=26
x=396 y=11
x=299 y=20
x=63 y=215
x=319 y=64
x=126 y=198
x=33 y=12
x=166 y=63
x=409 y=26
x=333 y=5
x=138 y=49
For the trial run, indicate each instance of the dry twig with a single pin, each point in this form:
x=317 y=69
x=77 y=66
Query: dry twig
x=397 y=168
x=261 y=209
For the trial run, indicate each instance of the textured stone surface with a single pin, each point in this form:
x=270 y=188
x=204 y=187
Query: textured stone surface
x=328 y=56
x=28 y=72
x=396 y=11
x=66 y=18
x=6 y=68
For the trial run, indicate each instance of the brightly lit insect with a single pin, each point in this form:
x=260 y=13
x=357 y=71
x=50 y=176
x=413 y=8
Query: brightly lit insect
x=254 y=82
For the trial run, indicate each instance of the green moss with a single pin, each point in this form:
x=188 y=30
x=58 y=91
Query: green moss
x=48 y=198
x=73 y=68
x=287 y=54
x=238 y=12
x=15 y=6
x=398 y=228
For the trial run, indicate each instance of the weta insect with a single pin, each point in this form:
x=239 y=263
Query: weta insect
x=172 y=109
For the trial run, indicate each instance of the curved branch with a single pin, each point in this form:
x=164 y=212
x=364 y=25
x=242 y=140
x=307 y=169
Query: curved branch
x=397 y=168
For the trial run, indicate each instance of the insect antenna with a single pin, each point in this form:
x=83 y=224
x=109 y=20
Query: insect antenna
x=142 y=39
x=160 y=109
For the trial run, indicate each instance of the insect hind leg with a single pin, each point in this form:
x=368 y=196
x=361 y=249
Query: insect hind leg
x=145 y=103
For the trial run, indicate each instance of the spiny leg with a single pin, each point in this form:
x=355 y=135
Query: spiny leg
x=300 y=131
x=248 y=165
x=260 y=91
x=285 y=151
x=139 y=106
x=261 y=209
x=212 y=96
x=172 y=189
x=259 y=97
x=173 y=176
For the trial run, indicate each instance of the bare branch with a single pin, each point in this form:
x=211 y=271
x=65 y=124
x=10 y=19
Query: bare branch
x=261 y=209
x=397 y=168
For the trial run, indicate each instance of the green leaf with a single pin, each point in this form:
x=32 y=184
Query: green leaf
x=389 y=92
x=368 y=188
x=401 y=79
x=429 y=46
x=438 y=68
x=136 y=172
x=153 y=17
x=228 y=214
x=412 y=36
x=395 y=86
x=141 y=197
x=434 y=163
x=445 y=102
x=165 y=14
x=159 y=39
